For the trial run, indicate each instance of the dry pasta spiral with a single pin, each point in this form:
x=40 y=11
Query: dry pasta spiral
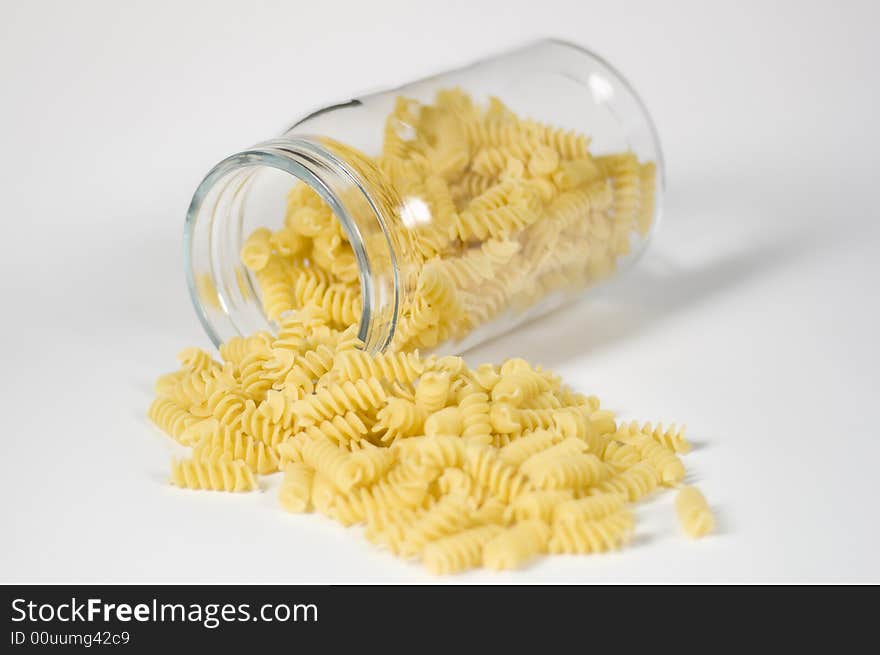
x=295 y=493
x=516 y=545
x=491 y=473
x=213 y=476
x=459 y=551
x=539 y=504
x=694 y=513
x=608 y=533
x=362 y=395
x=394 y=367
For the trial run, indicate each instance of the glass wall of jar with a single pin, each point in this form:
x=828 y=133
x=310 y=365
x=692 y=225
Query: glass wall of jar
x=435 y=215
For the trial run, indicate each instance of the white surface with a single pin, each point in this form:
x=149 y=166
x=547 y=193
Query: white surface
x=754 y=319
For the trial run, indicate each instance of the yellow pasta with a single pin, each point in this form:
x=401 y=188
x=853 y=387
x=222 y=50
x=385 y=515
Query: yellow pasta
x=197 y=360
x=588 y=509
x=440 y=451
x=328 y=459
x=227 y=444
x=232 y=475
x=519 y=450
x=474 y=409
x=449 y=515
x=492 y=474
x=290 y=450
x=621 y=455
x=516 y=545
x=453 y=465
x=492 y=511
x=277 y=294
x=669 y=467
x=295 y=494
x=475 y=178
x=342 y=429
x=338 y=399
x=633 y=484
x=519 y=388
x=353 y=507
x=560 y=478
x=257 y=250
x=394 y=367
x=399 y=417
x=694 y=514
x=171 y=417
x=367 y=465
x=539 y=504
x=575 y=471
x=598 y=536
x=446 y=421
x=460 y=551
x=432 y=391
x=673 y=437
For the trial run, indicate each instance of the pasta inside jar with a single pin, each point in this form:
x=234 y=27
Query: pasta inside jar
x=433 y=217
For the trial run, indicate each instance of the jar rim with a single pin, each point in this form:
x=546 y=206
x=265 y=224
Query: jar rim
x=306 y=160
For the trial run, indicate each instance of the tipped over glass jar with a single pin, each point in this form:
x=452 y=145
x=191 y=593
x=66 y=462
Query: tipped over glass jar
x=435 y=215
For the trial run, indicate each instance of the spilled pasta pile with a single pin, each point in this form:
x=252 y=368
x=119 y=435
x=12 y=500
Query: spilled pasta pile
x=457 y=467
x=497 y=212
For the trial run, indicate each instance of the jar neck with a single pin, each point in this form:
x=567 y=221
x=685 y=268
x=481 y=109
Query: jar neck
x=249 y=190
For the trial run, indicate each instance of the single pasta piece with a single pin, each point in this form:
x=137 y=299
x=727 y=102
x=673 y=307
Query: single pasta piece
x=441 y=451
x=391 y=366
x=672 y=437
x=446 y=421
x=232 y=475
x=433 y=391
x=588 y=509
x=492 y=511
x=171 y=417
x=460 y=551
x=517 y=452
x=399 y=418
x=197 y=360
x=608 y=533
x=518 y=388
x=367 y=465
x=633 y=484
x=449 y=515
x=575 y=471
x=517 y=545
x=474 y=408
x=492 y=474
x=362 y=395
x=621 y=455
x=456 y=481
x=564 y=448
x=669 y=467
x=540 y=504
x=694 y=513
x=295 y=494
x=354 y=507
x=290 y=450
x=330 y=460
x=257 y=250
x=602 y=422
x=344 y=430
x=229 y=444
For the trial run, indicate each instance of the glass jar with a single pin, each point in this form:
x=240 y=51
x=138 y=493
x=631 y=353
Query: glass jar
x=435 y=215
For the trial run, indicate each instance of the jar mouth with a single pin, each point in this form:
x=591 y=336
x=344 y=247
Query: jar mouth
x=248 y=190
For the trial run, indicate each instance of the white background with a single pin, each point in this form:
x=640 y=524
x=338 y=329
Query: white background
x=754 y=318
